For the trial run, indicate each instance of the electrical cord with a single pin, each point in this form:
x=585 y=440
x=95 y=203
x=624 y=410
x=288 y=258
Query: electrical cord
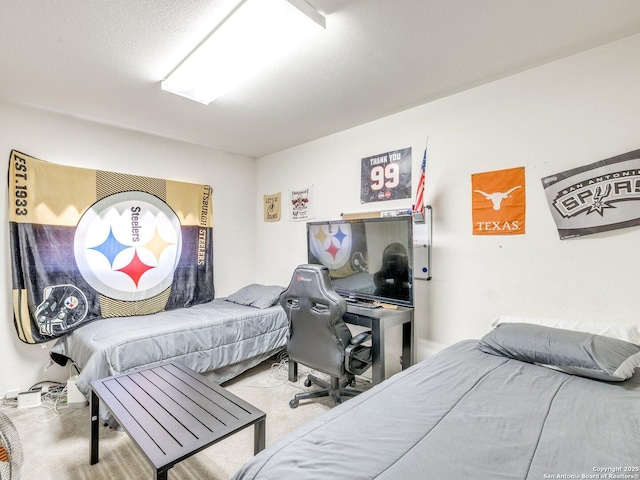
x=53 y=401
x=8 y=403
x=278 y=372
x=56 y=398
x=53 y=397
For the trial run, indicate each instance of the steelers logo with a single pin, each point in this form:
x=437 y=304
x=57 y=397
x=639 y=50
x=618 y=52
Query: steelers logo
x=127 y=246
x=331 y=244
x=71 y=302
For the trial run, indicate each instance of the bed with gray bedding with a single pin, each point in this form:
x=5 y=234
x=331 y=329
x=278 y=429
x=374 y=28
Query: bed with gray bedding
x=220 y=339
x=499 y=408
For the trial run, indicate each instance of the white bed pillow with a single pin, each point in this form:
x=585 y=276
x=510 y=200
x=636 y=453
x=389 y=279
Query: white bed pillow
x=627 y=332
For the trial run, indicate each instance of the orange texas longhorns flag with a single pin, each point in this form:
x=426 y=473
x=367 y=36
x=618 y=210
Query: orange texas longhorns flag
x=498 y=202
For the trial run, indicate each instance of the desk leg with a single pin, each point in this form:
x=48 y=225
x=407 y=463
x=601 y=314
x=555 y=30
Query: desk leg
x=293 y=371
x=377 y=354
x=259 y=435
x=94 y=411
x=407 y=350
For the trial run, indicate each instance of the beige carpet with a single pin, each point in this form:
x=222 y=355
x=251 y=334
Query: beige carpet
x=57 y=447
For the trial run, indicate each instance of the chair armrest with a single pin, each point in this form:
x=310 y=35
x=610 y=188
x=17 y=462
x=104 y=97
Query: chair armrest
x=360 y=338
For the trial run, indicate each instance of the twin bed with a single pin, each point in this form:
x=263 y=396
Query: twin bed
x=221 y=338
x=499 y=408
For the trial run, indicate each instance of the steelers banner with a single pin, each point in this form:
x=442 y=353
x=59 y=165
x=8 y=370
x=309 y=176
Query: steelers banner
x=599 y=197
x=90 y=244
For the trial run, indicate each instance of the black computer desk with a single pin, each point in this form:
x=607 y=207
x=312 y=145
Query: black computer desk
x=379 y=320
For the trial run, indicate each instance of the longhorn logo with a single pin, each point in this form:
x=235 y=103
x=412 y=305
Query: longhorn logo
x=497 y=197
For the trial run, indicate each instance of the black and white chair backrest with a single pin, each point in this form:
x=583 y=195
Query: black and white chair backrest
x=318 y=336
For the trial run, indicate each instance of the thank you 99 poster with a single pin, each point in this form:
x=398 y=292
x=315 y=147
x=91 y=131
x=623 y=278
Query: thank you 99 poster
x=386 y=176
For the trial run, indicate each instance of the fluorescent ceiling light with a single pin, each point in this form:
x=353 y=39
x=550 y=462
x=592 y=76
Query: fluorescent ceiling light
x=254 y=34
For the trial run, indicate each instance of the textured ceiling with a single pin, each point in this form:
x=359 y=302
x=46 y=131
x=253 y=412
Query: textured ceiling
x=103 y=61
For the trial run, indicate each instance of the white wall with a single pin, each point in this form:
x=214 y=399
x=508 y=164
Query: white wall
x=68 y=141
x=563 y=115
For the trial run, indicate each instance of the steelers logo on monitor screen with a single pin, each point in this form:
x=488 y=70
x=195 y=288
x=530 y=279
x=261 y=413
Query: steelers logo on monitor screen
x=331 y=244
x=127 y=246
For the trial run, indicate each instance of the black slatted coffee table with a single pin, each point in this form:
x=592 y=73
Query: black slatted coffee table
x=171 y=413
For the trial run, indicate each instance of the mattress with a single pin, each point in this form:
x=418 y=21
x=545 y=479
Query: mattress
x=466 y=414
x=216 y=336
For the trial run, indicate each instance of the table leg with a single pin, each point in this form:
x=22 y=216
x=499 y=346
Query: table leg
x=407 y=350
x=94 y=411
x=377 y=353
x=161 y=475
x=259 y=434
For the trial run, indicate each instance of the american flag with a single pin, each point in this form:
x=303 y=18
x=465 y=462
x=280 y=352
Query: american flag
x=419 y=207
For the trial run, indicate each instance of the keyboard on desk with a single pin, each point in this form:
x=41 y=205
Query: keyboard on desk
x=369 y=305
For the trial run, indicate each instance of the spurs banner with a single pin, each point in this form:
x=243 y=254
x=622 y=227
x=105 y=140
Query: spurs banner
x=599 y=197
x=90 y=244
x=498 y=202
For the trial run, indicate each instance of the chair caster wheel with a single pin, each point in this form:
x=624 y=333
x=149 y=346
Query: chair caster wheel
x=307 y=383
x=352 y=383
x=293 y=403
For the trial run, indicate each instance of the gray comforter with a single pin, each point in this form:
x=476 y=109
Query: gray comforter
x=215 y=336
x=465 y=414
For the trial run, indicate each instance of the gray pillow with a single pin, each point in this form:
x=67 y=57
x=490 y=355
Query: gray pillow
x=577 y=353
x=258 y=296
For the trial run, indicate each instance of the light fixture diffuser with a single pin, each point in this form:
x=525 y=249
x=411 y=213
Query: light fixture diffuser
x=254 y=34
